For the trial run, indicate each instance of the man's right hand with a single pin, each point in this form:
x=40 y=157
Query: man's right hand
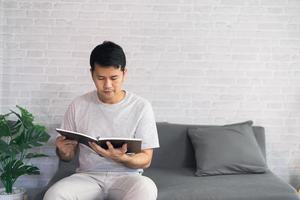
x=66 y=148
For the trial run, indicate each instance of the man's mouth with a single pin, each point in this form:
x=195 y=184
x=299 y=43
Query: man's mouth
x=108 y=91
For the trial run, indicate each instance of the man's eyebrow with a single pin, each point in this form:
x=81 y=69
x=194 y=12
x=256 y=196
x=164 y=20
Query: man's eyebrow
x=105 y=76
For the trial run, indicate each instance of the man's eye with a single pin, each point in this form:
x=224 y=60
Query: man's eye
x=100 y=78
x=114 y=78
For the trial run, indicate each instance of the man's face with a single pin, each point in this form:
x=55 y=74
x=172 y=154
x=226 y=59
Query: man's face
x=108 y=81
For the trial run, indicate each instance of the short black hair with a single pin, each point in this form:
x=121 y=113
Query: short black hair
x=108 y=54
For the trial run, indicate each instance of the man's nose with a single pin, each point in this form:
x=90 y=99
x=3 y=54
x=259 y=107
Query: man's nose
x=107 y=83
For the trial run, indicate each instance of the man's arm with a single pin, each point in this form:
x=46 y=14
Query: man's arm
x=139 y=160
x=66 y=149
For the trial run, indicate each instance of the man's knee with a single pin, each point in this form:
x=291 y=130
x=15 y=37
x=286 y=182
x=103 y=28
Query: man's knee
x=149 y=184
x=57 y=192
x=145 y=187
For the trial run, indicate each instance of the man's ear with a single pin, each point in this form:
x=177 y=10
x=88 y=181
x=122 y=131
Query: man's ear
x=125 y=73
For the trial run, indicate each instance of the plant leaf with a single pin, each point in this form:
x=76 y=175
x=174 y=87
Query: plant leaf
x=26 y=117
x=32 y=137
x=16 y=168
x=16 y=127
x=4 y=148
x=4 y=128
x=15 y=138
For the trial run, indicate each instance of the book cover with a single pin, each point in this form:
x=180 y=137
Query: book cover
x=133 y=144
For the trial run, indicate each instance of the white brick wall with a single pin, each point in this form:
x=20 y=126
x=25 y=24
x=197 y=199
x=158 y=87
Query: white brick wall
x=206 y=62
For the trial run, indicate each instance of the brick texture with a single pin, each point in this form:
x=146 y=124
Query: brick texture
x=198 y=62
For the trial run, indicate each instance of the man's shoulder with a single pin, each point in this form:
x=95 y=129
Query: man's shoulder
x=138 y=99
x=139 y=102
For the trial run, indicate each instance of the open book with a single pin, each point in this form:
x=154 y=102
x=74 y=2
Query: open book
x=133 y=144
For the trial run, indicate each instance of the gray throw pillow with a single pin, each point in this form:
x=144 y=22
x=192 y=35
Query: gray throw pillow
x=229 y=149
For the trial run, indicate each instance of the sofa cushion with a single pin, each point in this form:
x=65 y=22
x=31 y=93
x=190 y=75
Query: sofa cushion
x=229 y=149
x=172 y=136
x=182 y=184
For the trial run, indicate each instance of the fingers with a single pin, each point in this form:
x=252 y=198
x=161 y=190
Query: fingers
x=111 y=152
x=71 y=142
x=60 y=138
x=62 y=141
x=124 y=148
x=110 y=146
x=98 y=149
x=66 y=147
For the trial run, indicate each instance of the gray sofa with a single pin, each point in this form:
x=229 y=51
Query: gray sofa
x=173 y=171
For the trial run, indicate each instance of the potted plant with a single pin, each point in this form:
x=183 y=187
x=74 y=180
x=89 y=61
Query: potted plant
x=18 y=134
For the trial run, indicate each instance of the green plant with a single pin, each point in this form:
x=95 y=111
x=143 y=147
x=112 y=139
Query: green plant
x=18 y=134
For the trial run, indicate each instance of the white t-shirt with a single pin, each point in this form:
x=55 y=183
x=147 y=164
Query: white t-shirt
x=131 y=117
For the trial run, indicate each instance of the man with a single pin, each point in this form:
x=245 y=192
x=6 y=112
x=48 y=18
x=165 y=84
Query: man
x=109 y=111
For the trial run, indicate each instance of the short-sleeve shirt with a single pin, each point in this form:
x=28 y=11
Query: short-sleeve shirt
x=132 y=117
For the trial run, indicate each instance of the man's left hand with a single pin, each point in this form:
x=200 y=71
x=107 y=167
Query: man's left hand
x=116 y=154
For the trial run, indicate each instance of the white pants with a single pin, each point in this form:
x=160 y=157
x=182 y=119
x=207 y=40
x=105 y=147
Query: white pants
x=103 y=186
